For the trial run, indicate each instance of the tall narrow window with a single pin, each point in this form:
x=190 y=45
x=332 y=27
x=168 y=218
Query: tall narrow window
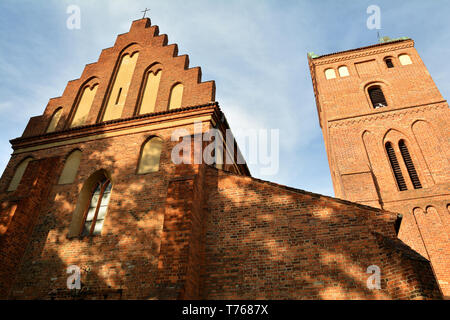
x=150 y=156
x=20 y=170
x=96 y=211
x=409 y=165
x=55 y=119
x=377 y=97
x=176 y=96
x=395 y=167
x=70 y=168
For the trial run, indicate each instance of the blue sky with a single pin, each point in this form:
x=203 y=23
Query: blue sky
x=255 y=50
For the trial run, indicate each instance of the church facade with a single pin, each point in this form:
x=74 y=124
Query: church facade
x=91 y=192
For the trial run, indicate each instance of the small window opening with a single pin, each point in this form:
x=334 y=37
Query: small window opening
x=389 y=63
x=118 y=95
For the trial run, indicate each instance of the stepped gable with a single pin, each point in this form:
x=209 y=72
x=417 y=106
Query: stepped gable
x=154 y=51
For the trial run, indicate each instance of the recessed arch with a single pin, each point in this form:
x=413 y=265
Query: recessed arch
x=404 y=59
x=18 y=173
x=343 y=71
x=83 y=103
x=54 y=120
x=150 y=88
x=430 y=144
x=71 y=165
x=330 y=73
x=150 y=155
x=176 y=96
x=123 y=74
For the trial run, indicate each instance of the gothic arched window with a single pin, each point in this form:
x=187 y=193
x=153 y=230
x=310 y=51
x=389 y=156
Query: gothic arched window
x=409 y=164
x=150 y=156
x=377 y=97
x=395 y=167
x=95 y=212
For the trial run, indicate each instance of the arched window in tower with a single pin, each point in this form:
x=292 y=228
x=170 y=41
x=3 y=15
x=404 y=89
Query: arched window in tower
x=343 y=71
x=150 y=93
x=395 y=167
x=84 y=105
x=20 y=170
x=409 y=164
x=95 y=212
x=176 y=96
x=404 y=59
x=330 y=74
x=389 y=62
x=70 y=168
x=377 y=97
x=150 y=156
x=54 y=121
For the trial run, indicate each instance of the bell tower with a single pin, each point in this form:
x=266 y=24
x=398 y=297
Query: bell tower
x=386 y=131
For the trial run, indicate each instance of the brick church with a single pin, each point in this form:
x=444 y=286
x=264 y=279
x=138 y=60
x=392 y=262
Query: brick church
x=91 y=183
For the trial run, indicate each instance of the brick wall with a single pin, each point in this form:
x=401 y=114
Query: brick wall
x=265 y=241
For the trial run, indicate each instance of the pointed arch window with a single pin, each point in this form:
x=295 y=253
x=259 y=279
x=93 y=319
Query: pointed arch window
x=377 y=97
x=395 y=167
x=54 y=121
x=95 y=212
x=150 y=156
x=409 y=164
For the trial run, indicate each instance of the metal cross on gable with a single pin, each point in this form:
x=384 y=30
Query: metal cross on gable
x=145 y=11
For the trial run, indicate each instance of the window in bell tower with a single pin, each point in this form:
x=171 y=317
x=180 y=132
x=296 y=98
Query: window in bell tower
x=404 y=59
x=395 y=167
x=377 y=97
x=389 y=62
x=409 y=164
x=330 y=74
x=343 y=71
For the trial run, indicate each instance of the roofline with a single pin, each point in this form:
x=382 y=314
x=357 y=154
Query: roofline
x=362 y=48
